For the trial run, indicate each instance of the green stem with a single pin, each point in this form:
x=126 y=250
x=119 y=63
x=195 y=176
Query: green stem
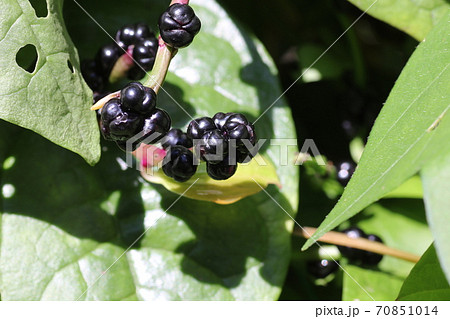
x=158 y=74
x=162 y=61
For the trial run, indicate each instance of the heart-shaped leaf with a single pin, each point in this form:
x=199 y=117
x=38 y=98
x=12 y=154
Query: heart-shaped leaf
x=67 y=228
x=47 y=95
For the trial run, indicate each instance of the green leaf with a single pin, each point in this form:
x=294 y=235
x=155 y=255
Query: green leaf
x=50 y=99
x=410 y=129
x=426 y=282
x=412 y=188
x=416 y=18
x=406 y=220
x=65 y=223
x=436 y=180
x=381 y=286
x=249 y=179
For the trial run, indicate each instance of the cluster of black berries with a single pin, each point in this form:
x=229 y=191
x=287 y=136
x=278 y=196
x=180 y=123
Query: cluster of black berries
x=134 y=118
x=223 y=141
x=137 y=40
x=178 y=25
x=357 y=255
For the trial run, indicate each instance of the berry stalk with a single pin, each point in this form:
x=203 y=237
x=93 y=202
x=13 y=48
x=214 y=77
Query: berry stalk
x=158 y=74
x=341 y=239
x=162 y=61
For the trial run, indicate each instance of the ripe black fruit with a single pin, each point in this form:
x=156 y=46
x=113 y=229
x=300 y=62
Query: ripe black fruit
x=214 y=146
x=321 y=268
x=91 y=71
x=144 y=53
x=137 y=98
x=345 y=171
x=179 y=25
x=352 y=253
x=198 y=127
x=369 y=258
x=179 y=163
x=221 y=171
x=107 y=57
x=177 y=137
x=156 y=126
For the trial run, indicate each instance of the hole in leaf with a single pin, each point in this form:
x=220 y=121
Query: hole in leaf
x=69 y=64
x=40 y=7
x=27 y=58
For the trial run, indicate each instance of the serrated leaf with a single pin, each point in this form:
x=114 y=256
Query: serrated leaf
x=406 y=220
x=248 y=180
x=426 y=282
x=66 y=222
x=436 y=180
x=50 y=100
x=416 y=18
x=411 y=129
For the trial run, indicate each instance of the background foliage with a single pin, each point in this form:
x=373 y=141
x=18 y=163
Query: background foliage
x=64 y=222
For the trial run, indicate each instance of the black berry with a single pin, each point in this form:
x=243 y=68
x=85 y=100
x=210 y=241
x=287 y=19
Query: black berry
x=321 y=268
x=179 y=25
x=221 y=171
x=179 y=163
x=107 y=57
x=125 y=126
x=142 y=31
x=126 y=35
x=220 y=119
x=144 y=54
x=158 y=122
x=353 y=253
x=177 y=137
x=93 y=76
x=213 y=147
x=198 y=127
x=369 y=258
x=137 y=98
x=345 y=171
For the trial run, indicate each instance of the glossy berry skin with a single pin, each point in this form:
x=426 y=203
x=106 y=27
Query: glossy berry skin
x=126 y=35
x=345 y=171
x=321 y=268
x=91 y=71
x=198 y=127
x=144 y=54
x=177 y=137
x=158 y=122
x=220 y=171
x=237 y=127
x=179 y=25
x=125 y=126
x=369 y=258
x=137 y=98
x=107 y=57
x=142 y=31
x=220 y=119
x=179 y=163
x=214 y=147
x=353 y=253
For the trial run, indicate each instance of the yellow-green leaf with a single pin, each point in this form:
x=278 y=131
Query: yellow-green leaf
x=202 y=187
